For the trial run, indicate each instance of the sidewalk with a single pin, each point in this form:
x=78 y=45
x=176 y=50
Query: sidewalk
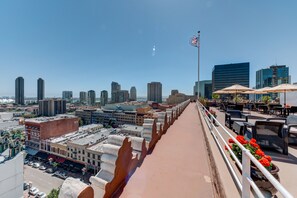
x=178 y=166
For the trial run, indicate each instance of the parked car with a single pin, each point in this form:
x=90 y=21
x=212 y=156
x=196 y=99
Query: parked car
x=34 y=191
x=42 y=168
x=26 y=185
x=41 y=195
x=36 y=165
x=26 y=161
x=51 y=170
x=30 y=163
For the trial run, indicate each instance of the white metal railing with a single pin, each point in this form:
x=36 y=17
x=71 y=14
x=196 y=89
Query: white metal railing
x=247 y=157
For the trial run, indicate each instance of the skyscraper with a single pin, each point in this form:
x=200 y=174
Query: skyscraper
x=19 y=91
x=122 y=96
x=154 y=92
x=40 y=89
x=67 y=95
x=104 y=98
x=114 y=88
x=52 y=107
x=205 y=89
x=83 y=97
x=133 y=95
x=91 y=97
x=229 y=74
x=272 y=76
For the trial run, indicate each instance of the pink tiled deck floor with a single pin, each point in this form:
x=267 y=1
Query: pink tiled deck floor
x=178 y=166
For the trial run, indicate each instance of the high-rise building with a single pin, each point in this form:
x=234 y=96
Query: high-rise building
x=174 y=91
x=19 y=91
x=67 y=95
x=83 y=97
x=114 y=88
x=229 y=74
x=60 y=106
x=133 y=94
x=272 y=76
x=40 y=89
x=104 y=98
x=123 y=96
x=91 y=97
x=154 y=92
x=52 y=107
x=205 y=89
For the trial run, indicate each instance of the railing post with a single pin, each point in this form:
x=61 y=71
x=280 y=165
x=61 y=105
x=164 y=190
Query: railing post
x=211 y=123
x=246 y=173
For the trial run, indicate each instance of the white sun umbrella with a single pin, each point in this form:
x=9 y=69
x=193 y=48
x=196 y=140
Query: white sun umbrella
x=237 y=89
x=261 y=91
x=283 y=88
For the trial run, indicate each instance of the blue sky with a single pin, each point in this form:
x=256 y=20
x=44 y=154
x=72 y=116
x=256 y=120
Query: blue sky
x=86 y=44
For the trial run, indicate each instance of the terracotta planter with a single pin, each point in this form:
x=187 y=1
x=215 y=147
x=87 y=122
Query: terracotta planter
x=262 y=182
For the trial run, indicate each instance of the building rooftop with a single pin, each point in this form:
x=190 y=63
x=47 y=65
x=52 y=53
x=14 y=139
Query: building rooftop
x=98 y=147
x=48 y=119
x=91 y=139
x=10 y=125
x=81 y=133
x=129 y=127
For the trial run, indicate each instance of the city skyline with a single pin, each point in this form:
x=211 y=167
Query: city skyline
x=72 y=47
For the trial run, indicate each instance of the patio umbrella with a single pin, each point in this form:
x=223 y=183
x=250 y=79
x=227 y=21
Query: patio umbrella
x=283 y=88
x=237 y=89
x=261 y=91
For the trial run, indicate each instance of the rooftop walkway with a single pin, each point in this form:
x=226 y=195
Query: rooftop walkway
x=179 y=165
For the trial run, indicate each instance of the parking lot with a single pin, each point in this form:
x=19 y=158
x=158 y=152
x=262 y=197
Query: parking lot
x=45 y=181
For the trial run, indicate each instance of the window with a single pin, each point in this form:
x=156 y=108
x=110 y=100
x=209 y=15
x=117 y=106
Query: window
x=94 y=162
x=98 y=157
x=98 y=164
x=83 y=159
x=83 y=152
x=88 y=154
x=93 y=156
x=89 y=161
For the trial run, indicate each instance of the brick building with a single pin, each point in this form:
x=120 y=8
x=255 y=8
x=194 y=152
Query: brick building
x=42 y=128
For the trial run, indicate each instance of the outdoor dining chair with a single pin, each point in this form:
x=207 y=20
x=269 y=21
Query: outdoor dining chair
x=269 y=134
x=232 y=116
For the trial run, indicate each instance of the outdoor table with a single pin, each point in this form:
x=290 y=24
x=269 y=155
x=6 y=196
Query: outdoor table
x=284 y=111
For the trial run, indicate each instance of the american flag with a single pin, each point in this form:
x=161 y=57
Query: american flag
x=194 y=41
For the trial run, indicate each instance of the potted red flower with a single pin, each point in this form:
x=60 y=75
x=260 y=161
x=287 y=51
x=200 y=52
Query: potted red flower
x=265 y=160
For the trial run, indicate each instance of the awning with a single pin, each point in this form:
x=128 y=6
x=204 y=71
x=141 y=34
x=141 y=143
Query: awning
x=31 y=151
x=42 y=155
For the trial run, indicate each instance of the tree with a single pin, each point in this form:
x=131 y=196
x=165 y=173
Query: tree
x=54 y=193
x=81 y=122
x=215 y=96
x=266 y=99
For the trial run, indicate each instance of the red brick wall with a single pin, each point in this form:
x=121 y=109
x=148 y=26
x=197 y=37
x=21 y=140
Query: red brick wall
x=58 y=127
x=55 y=128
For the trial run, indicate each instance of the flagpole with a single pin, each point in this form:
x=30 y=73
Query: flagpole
x=198 y=45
